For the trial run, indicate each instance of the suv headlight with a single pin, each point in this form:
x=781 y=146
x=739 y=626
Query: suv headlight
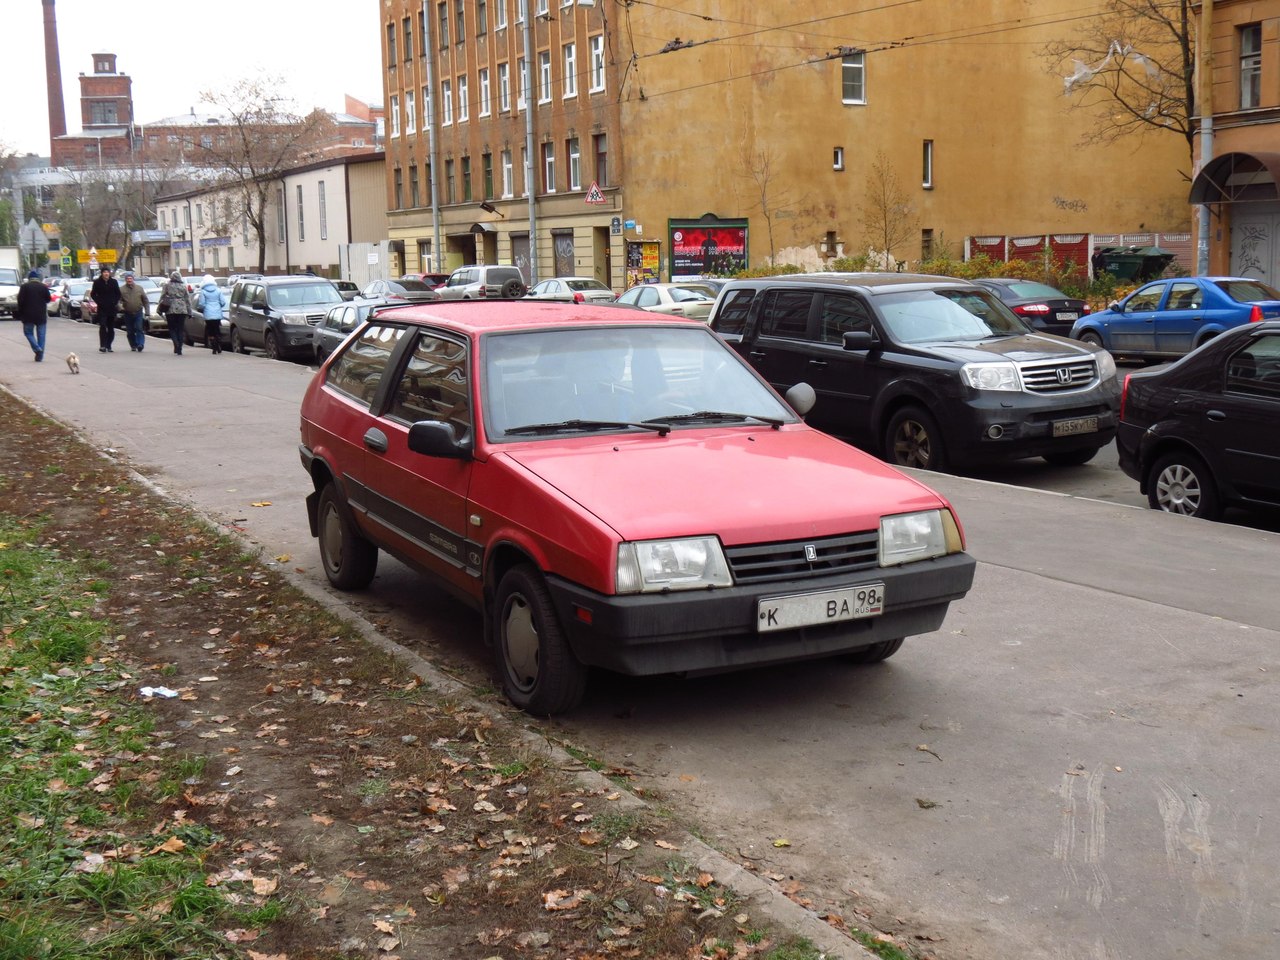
x=297 y=319
x=652 y=566
x=991 y=376
x=1106 y=364
x=907 y=537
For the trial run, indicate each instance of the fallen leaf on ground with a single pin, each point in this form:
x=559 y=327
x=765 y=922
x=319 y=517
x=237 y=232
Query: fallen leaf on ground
x=665 y=845
x=925 y=804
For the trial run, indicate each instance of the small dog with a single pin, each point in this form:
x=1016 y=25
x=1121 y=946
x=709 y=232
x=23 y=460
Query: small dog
x=73 y=363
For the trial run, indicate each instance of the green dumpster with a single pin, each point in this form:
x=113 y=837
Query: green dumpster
x=1135 y=264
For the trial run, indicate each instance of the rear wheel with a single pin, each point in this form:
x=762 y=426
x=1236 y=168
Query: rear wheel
x=271 y=346
x=876 y=652
x=237 y=342
x=350 y=561
x=1180 y=482
x=1071 y=458
x=912 y=439
x=540 y=674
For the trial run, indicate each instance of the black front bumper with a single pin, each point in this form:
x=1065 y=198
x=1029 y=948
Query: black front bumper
x=708 y=630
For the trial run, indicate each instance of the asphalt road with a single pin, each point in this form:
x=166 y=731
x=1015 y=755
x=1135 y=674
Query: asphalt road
x=1078 y=766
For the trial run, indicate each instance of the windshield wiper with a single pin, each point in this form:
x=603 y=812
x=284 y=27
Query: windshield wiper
x=661 y=429
x=718 y=415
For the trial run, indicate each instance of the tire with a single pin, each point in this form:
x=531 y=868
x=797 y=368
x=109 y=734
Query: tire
x=540 y=674
x=237 y=343
x=1071 y=458
x=350 y=561
x=876 y=652
x=1180 y=482
x=513 y=290
x=270 y=345
x=1091 y=338
x=912 y=439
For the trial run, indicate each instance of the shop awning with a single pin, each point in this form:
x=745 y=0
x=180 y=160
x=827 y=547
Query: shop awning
x=1237 y=177
x=483 y=228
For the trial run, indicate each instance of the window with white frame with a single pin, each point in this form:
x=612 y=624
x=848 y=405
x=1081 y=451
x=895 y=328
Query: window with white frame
x=410 y=112
x=446 y=103
x=499 y=14
x=837 y=158
x=428 y=115
x=395 y=115
x=464 y=108
x=522 y=10
x=302 y=222
x=544 y=76
x=508 y=187
x=853 y=88
x=526 y=173
x=597 y=64
x=1250 y=36
x=324 y=212
x=442 y=18
x=504 y=87
x=926 y=172
x=522 y=75
x=543 y=8
x=570 y=70
x=482 y=17
x=484 y=91
x=573 y=152
x=548 y=168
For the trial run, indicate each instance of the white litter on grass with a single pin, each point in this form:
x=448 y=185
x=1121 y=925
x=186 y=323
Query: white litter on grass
x=164 y=692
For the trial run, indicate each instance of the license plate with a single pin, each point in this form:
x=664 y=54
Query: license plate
x=1068 y=316
x=830 y=606
x=1069 y=428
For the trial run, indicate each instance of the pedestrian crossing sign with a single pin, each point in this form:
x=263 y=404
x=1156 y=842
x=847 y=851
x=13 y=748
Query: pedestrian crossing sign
x=594 y=194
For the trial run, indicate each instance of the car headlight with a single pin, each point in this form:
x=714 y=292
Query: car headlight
x=652 y=566
x=1106 y=364
x=907 y=537
x=991 y=376
x=296 y=319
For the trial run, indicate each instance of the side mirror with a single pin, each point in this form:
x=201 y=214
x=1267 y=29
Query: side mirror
x=435 y=438
x=802 y=398
x=859 y=340
x=1116 y=306
x=258 y=305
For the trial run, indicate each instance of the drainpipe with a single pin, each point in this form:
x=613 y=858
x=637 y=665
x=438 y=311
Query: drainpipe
x=437 y=255
x=528 y=149
x=1204 y=94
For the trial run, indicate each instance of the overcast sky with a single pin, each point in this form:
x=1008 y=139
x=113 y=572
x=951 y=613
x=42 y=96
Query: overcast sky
x=321 y=51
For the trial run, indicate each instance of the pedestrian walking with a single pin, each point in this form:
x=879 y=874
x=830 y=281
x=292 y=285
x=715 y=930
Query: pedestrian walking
x=133 y=304
x=33 y=311
x=175 y=304
x=106 y=294
x=212 y=300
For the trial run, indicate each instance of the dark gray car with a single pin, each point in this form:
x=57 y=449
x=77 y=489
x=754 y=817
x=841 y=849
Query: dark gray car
x=414 y=291
x=276 y=314
x=339 y=322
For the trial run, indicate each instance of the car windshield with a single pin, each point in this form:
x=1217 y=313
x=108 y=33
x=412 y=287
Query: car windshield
x=923 y=316
x=298 y=294
x=1247 y=291
x=1029 y=289
x=585 y=285
x=683 y=294
x=78 y=289
x=578 y=380
x=413 y=286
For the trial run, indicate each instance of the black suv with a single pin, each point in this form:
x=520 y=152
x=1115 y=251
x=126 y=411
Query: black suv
x=276 y=314
x=923 y=371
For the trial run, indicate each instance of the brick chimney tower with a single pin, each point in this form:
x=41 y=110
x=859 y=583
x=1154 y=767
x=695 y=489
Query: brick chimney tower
x=53 y=75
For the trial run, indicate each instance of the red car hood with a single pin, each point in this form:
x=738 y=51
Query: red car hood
x=747 y=485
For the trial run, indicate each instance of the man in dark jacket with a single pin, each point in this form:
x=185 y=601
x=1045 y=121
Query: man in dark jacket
x=33 y=311
x=106 y=294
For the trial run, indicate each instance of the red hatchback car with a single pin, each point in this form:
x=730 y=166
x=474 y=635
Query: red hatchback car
x=614 y=489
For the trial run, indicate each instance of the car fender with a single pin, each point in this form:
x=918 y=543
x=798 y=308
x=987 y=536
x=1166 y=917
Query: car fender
x=1092 y=325
x=1162 y=437
x=902 y=393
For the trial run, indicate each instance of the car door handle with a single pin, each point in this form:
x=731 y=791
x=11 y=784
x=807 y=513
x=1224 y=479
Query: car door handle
x=1217 y=416
x=375 y=439
x=756 y=354
x=817 y=363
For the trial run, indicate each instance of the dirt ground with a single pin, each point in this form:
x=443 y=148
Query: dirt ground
x=391 y=821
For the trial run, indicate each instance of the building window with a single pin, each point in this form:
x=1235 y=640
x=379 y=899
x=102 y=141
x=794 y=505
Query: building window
x=428 y=115
x=200 y=213
x=542 y=8
x=522 y=10
x=324 y=212
x=1250 y=65
x=500 y=15
x=406 y=27
x=837 y=158
x=414 y=199
x=486 y=163
x=570 y=70
x=853 y=78
x=391 y=44
x=450 y=193
x=548 y=168
x=410 y=112
x=395 y=115
x=442 y=15
x=446 y=103
x=526 y=174
x=464 y=108
x=482 y=17
x=466 y=179
x=600 y=145
x=544 y=76
x=302 y=223
x=461 y=32
x=504 y=87
x=926 y=244
x=574 y=153
x=100 y=113
x=926 y=172
x=522 y=75
x=397 y=201
x=597 y=64
x=484 y=91
x=508 y=188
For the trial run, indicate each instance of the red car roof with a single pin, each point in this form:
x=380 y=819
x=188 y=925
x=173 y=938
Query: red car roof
x=478 y=317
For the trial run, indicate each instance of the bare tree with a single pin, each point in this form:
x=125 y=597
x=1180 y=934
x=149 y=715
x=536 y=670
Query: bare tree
x=887 y=215
x=258 y=140
x=1134 y=67
x=762 y=170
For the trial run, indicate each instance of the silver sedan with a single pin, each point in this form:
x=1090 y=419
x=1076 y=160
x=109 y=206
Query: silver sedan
x=692 y=300
x=572 y=290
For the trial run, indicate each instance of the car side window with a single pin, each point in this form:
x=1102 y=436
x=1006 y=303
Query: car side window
x=361 y=367
x=786 y=314
x=841 y=314
x=732 y=315
x=1185 y=296
x=647 y=297
x=1148 y=298
x=1255 y=370
x=435 y=385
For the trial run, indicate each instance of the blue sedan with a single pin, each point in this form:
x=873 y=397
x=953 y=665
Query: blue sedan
x=1171 y=317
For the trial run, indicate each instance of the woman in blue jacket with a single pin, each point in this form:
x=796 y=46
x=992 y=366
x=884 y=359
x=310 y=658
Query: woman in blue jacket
x=212 y=300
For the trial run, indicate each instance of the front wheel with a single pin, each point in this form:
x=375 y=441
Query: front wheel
x=1091 y=338
x=540 y=674
x=912 y=439
x=1071 y=458
x=271 y=346
x=350 y=561
x=237 y=342
x=1180 y=483
x=876 y=652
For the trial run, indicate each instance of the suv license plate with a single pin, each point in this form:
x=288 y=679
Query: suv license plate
x=1069 y=428
x=830 y=606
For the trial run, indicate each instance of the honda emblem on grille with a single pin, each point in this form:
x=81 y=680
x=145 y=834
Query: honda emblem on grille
x=1064 y=374
x=810 y=552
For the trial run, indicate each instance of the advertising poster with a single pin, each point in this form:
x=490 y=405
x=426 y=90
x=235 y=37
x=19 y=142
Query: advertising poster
x=644 y=261
x=708 y=246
